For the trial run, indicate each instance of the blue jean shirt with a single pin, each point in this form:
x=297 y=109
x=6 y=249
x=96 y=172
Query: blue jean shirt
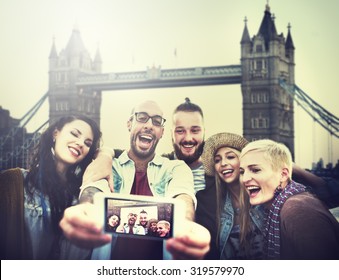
x=41 y=235
x=257 y=215
x=166 y=178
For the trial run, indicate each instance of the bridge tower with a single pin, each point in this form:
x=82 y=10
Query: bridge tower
x=65 y=97
x=267 y=108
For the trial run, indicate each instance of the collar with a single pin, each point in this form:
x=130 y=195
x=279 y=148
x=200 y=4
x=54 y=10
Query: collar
x=157 y=160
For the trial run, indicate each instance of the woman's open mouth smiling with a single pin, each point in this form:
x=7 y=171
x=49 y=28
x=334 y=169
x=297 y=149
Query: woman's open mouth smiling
x=253 y=190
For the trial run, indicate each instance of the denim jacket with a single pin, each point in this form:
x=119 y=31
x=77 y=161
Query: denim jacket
x=257 y=215
x=41 y=235
x=165 y=177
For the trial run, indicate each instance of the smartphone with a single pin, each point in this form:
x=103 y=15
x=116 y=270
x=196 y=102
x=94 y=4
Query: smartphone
x=139 y=216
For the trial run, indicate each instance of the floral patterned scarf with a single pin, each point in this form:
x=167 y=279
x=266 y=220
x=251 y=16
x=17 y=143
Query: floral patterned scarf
x=272 y=229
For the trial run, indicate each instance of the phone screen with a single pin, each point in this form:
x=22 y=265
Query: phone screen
x=138 y=218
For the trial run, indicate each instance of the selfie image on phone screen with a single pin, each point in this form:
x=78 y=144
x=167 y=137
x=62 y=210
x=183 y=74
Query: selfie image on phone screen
x=136 y=218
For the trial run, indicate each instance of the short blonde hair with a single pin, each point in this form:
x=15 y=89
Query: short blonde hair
x=276 y=153
x=166 y=223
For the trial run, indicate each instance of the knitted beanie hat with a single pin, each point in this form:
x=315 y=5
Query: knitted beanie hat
x=217 y=141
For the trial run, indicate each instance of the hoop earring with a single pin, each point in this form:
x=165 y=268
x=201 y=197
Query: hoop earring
x=77 y=171
x=52 y=149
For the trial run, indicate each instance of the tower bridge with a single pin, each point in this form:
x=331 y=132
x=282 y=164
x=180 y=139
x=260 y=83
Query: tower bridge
x=160 y=78
x=76 y=82
x=266 y=77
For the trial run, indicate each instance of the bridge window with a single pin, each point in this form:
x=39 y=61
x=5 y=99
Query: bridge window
x=58 y=77
x=254 y=123
x=61 y=77
x=260 y=64
x=62 y=106
x=62 y=62
x=259 y=68
x=259 y=122
x=86 y=106
x=259 y=97
x=259 y=48
x=262 y=123
x=266 y=98
x=253 y=98
x=89 y=107
x=81 y=106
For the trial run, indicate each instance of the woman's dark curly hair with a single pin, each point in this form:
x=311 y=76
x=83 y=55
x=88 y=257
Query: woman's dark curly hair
x=109 y=227
x=42 y=177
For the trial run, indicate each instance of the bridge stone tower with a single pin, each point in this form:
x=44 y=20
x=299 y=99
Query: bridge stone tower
x=65 y=97
x=265 y=59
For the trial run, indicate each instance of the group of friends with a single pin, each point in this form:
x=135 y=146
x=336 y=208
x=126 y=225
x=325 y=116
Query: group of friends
x=150 y=227
x=242 y=201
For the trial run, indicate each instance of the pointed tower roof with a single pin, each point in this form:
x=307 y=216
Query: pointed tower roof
x=289 y=42
x=97 y=58
x=267 y=28
x=75 y=44
x=245 y=34
x=53 y=53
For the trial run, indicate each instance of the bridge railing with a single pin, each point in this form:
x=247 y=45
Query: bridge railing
x=228 y=74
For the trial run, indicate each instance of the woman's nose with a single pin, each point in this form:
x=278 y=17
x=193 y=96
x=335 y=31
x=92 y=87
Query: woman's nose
x=245 y=177
x=79 y=143
x=224 y=162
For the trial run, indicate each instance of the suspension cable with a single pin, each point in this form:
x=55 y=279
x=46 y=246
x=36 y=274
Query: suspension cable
x=23 y=121
x=318 y=113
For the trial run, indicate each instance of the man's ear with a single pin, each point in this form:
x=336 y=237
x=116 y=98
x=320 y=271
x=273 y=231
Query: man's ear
x=129 y=125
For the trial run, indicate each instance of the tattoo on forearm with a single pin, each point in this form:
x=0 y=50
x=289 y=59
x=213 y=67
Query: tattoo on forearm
x=88 y=194
x=190 y=210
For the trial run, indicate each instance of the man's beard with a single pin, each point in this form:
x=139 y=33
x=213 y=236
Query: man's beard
x=140 y=153
x=190 y=158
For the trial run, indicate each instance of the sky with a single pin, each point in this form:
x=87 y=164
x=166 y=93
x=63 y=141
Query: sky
x=133 y=35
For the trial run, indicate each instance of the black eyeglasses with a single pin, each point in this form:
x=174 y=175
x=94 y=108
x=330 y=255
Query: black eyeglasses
x=144 y=117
